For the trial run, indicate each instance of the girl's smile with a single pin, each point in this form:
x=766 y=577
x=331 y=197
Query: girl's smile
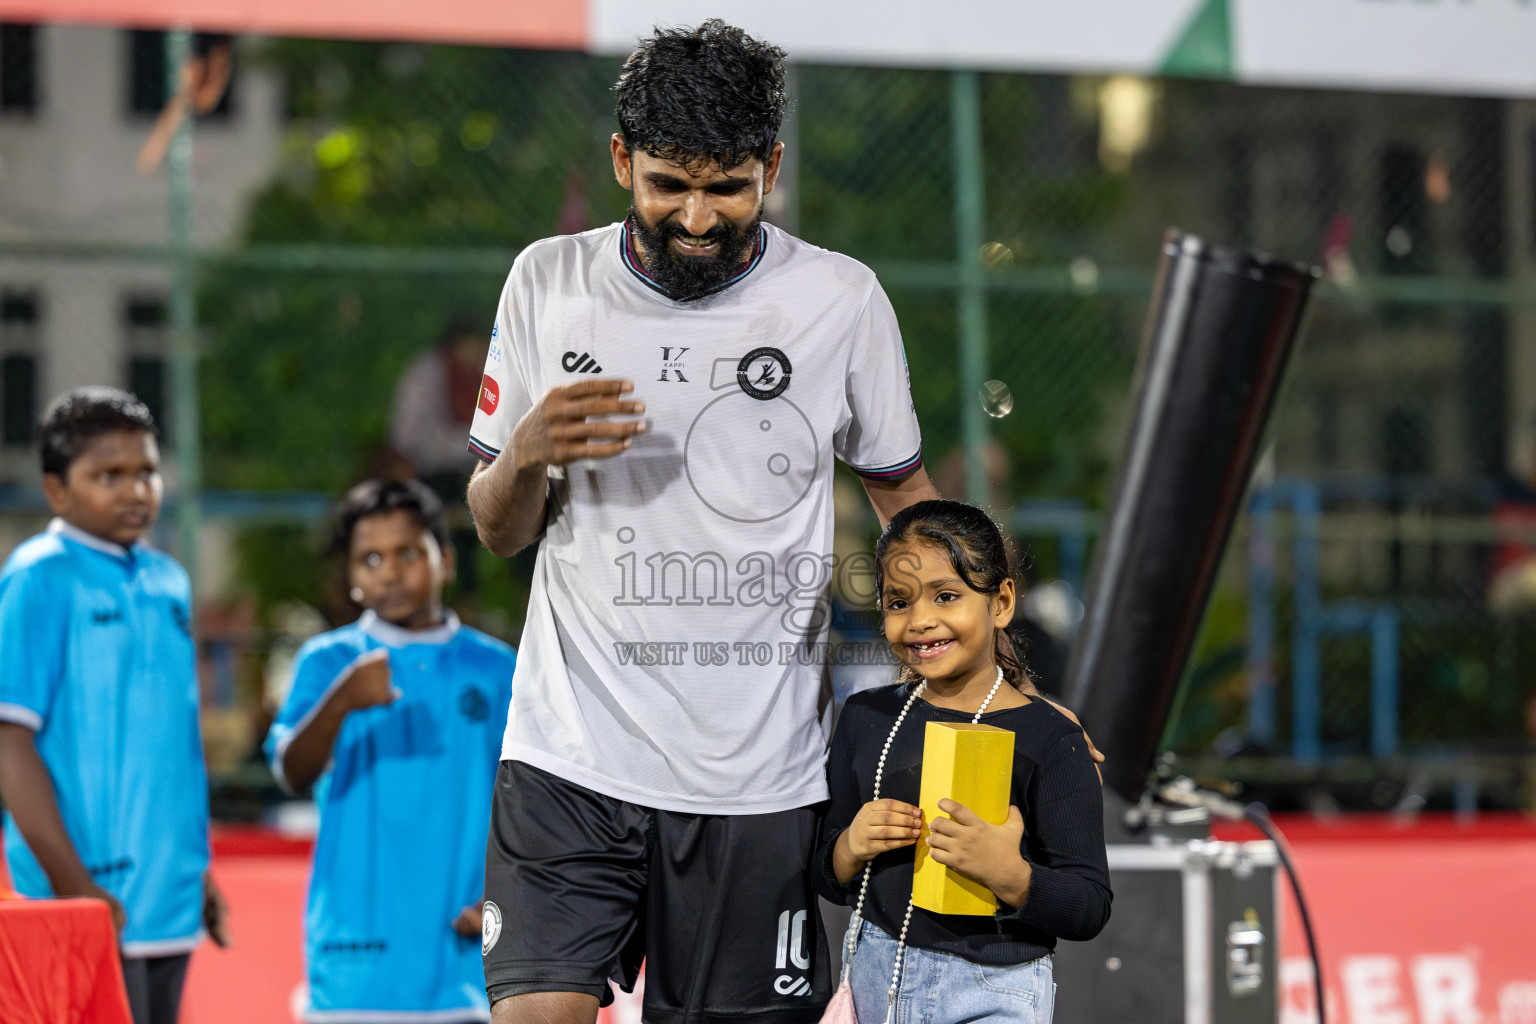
x=939 y=626
x=927 y=650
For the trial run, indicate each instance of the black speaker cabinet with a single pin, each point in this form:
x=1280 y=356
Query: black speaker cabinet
x=1193 y=940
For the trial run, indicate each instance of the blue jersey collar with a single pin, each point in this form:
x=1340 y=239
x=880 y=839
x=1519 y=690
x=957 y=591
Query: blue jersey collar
x=391 y=635
x=72 y=532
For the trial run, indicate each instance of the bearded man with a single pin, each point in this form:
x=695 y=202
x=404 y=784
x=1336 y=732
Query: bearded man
x=662 y=402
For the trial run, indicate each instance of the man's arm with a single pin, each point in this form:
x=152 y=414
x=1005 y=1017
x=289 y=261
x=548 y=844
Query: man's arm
x=365 y=685
x=508 y=504
x=30 y=797
x=509 y=497
x=890 y=498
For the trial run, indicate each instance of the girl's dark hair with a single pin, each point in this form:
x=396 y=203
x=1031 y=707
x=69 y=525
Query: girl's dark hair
x=708 y=93
x=76 y=416
x=373 y=497
x=976 y=550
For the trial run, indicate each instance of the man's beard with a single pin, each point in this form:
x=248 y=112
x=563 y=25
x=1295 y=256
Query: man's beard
x=688 y=277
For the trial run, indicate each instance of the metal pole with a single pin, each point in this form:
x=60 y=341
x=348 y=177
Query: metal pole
x=971 y=297
x=184 y=410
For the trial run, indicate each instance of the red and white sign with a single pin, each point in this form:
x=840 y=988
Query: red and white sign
x=1427 y=923
x=490 y=394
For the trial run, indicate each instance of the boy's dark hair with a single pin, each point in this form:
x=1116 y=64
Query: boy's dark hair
x=695 y=95
x=75 y=417
x=976 y=550
x=375 y=497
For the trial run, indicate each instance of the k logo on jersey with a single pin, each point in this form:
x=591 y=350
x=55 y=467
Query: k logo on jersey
x=490 y=394
x=763 y=373
x=672 y=362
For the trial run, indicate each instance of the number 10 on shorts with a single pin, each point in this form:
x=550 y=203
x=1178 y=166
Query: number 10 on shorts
x=790 y=949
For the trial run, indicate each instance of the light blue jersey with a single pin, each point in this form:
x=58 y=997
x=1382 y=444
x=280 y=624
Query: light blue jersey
x=96 y=658
x=405 y=805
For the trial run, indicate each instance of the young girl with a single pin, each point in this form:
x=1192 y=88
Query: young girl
x=947 y=598
x=396 y=721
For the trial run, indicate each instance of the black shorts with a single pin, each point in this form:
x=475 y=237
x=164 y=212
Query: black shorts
x=586 y=886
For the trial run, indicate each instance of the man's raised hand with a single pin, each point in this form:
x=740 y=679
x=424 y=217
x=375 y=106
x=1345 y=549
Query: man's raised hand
x=565 y=425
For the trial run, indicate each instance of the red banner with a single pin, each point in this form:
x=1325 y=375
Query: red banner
x=1432 y=922
x=551 y=24
x=1424 y=923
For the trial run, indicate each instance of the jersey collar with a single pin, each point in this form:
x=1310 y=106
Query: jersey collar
x=58 y=526
x=391 y=635
x=631 y=260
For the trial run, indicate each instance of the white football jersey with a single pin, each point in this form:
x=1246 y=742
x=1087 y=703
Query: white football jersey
x=676 y=632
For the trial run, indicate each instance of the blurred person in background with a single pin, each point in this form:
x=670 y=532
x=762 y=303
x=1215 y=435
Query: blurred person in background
x=396 y=721
x=434 y=405
x=1512 y=560
x=101 y=761
x=667 y=809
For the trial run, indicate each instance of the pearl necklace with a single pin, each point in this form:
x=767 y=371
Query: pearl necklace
x=858 y=911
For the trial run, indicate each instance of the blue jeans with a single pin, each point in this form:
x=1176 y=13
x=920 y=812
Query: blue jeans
x=943 y=988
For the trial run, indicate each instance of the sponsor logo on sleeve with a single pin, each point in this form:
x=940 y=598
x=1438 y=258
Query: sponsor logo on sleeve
x=490 y=394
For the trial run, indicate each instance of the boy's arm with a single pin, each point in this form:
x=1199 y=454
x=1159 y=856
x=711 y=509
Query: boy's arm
x=365 y=684
x=29 y=795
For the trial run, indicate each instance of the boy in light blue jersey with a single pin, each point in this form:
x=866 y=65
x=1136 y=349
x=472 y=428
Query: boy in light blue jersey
x=396 y=720
x=101 y=760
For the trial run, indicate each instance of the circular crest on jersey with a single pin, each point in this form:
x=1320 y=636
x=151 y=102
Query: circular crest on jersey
x=763 y=373
x=490 y=927
x=473 y=704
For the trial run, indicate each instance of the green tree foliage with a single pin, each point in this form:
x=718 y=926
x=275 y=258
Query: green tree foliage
x=399 y=146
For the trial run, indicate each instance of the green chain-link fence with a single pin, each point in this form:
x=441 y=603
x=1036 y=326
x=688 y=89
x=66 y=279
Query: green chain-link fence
x=403 y=180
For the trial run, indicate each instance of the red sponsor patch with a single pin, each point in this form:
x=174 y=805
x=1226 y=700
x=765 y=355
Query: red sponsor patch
x=490 y=394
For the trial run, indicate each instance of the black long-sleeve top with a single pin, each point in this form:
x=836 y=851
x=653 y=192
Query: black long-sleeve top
x=1054 y=787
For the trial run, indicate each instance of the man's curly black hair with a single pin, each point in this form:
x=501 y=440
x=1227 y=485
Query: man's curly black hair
x=711 y=93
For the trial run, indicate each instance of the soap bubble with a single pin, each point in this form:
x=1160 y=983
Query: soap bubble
x=996 y=399
x=995 y=254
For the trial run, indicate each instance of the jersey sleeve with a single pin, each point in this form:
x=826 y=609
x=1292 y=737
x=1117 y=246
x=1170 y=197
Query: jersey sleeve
x=317 y=670
x=34 y=629
x=505 y=393
x=880 y=440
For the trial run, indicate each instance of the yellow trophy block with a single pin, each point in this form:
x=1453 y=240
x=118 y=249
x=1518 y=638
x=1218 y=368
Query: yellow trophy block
x=971 y=765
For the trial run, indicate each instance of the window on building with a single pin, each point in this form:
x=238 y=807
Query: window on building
x=18 y=367
x=145 y=321
x=146 y=73
x=18 y=68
